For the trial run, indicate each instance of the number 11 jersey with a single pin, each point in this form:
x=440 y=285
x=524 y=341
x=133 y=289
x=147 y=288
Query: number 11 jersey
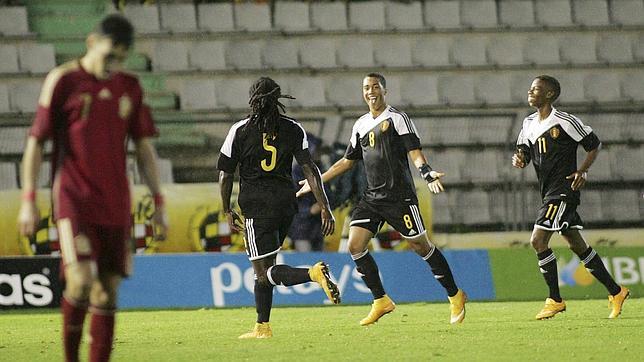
x=265 y=165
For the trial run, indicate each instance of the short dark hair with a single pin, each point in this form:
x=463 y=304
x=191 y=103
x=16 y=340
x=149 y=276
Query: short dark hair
x=552 y=83
x=118 y=28
x=381 y=78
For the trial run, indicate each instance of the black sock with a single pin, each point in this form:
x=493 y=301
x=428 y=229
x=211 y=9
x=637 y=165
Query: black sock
x=263 y=301
x=367 y=267
x=441 y=270
x=596 y=267
x=286 y=275
x=548 y=267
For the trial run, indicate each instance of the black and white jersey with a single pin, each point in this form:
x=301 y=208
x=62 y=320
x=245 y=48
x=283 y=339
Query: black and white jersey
x=266 y=186
x=382 y=143
x=551 y=144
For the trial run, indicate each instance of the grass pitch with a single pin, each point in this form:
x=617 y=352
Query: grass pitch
x=492 y=331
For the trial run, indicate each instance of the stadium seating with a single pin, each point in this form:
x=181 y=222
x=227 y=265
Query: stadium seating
x=404 y=15
x=8 y=59
x=217 y=17
x=633 y=87
x=493 y=89
x=252 y=17
x=4 y=99
x=392 y=53
x=615 y=48
x=13 y=21
x=590 y=208
x=232 y=92
x=578 y=49
x=479 y=14
x=602 y=87
x=308 y=91
x=419 y=90
x=448 y=161
x=483 y=165
x=516 y=13
x=8 y=178
x=590 y=12
x=171 y=56
x=165 y=171
x=24 y=96
x=318 y=53
x=490 y=130
x=37 y=58
x=506 y=50
x=553 y=13
x=442 y=208
x=244 y=56
x=431 y=51
x=198 y=94
x=456 y=90
x=627 y=12
x=444 y=131
x=443 y=14
x=601 y=168
x=344 y=91
x=627 y=162
x=477 y=210
x=328 y=16
x=279 y=54
x=178 y=18
x=145 y=19
x=469 y=51
x=621 y=205
x=367 y=15
x=12 y=140
x=539 y=50
x=292 y=16
x=354 y=52
x=208 y=55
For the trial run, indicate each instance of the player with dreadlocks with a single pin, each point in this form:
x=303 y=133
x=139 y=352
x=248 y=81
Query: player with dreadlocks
x=263 y=146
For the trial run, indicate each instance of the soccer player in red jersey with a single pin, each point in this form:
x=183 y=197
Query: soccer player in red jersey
x=89 y=108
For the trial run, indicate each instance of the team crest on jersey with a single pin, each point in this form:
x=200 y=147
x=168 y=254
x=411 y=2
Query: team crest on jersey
x=125 y=106
x=104 y=94
x=554 y=132
x=384 y=126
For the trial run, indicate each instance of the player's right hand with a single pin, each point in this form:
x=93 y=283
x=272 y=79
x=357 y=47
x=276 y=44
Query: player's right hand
x=518 y=160
x=28 y=218
x=436 y=186
x=160 y=224
x=235 y=221
x=305 y=188
x=328 y=221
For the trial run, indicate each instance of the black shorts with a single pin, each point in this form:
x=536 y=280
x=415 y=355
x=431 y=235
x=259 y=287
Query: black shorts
x=264 y=236
x=558 y=215
x=403 y=216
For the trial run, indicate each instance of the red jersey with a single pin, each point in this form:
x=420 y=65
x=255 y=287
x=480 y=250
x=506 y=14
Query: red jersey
x=89 y=121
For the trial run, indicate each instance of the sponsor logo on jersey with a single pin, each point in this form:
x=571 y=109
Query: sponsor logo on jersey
x=412 y=232
x=554 y=132
x=547 y=223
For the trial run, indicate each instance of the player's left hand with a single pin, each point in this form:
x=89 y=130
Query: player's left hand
x=160 y=224
x=328 y=221
x=235 y=221
x=578 y=179
x=436 y=186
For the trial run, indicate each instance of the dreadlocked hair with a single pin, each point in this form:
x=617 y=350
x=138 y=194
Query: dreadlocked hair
x=265 y=105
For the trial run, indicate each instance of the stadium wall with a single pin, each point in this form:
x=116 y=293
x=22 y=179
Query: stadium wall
x=226 y=280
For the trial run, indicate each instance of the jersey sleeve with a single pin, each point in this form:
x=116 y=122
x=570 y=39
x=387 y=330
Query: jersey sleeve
x=354 y=150
x=574 y=127
x=301 y=146
x=49 y=105
x=407 y=131
x=141 y=122
x=228 y=159
x=590 y=142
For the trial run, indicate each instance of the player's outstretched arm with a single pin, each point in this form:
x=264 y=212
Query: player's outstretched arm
x=312 y=174
x=341 y=166
x=31 y=161
x=226 y=190
x=431 y=176
x=579 y=177
x=146 y=158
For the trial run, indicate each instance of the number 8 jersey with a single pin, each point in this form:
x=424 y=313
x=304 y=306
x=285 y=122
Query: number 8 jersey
x=266 y=186
x=551 y=144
